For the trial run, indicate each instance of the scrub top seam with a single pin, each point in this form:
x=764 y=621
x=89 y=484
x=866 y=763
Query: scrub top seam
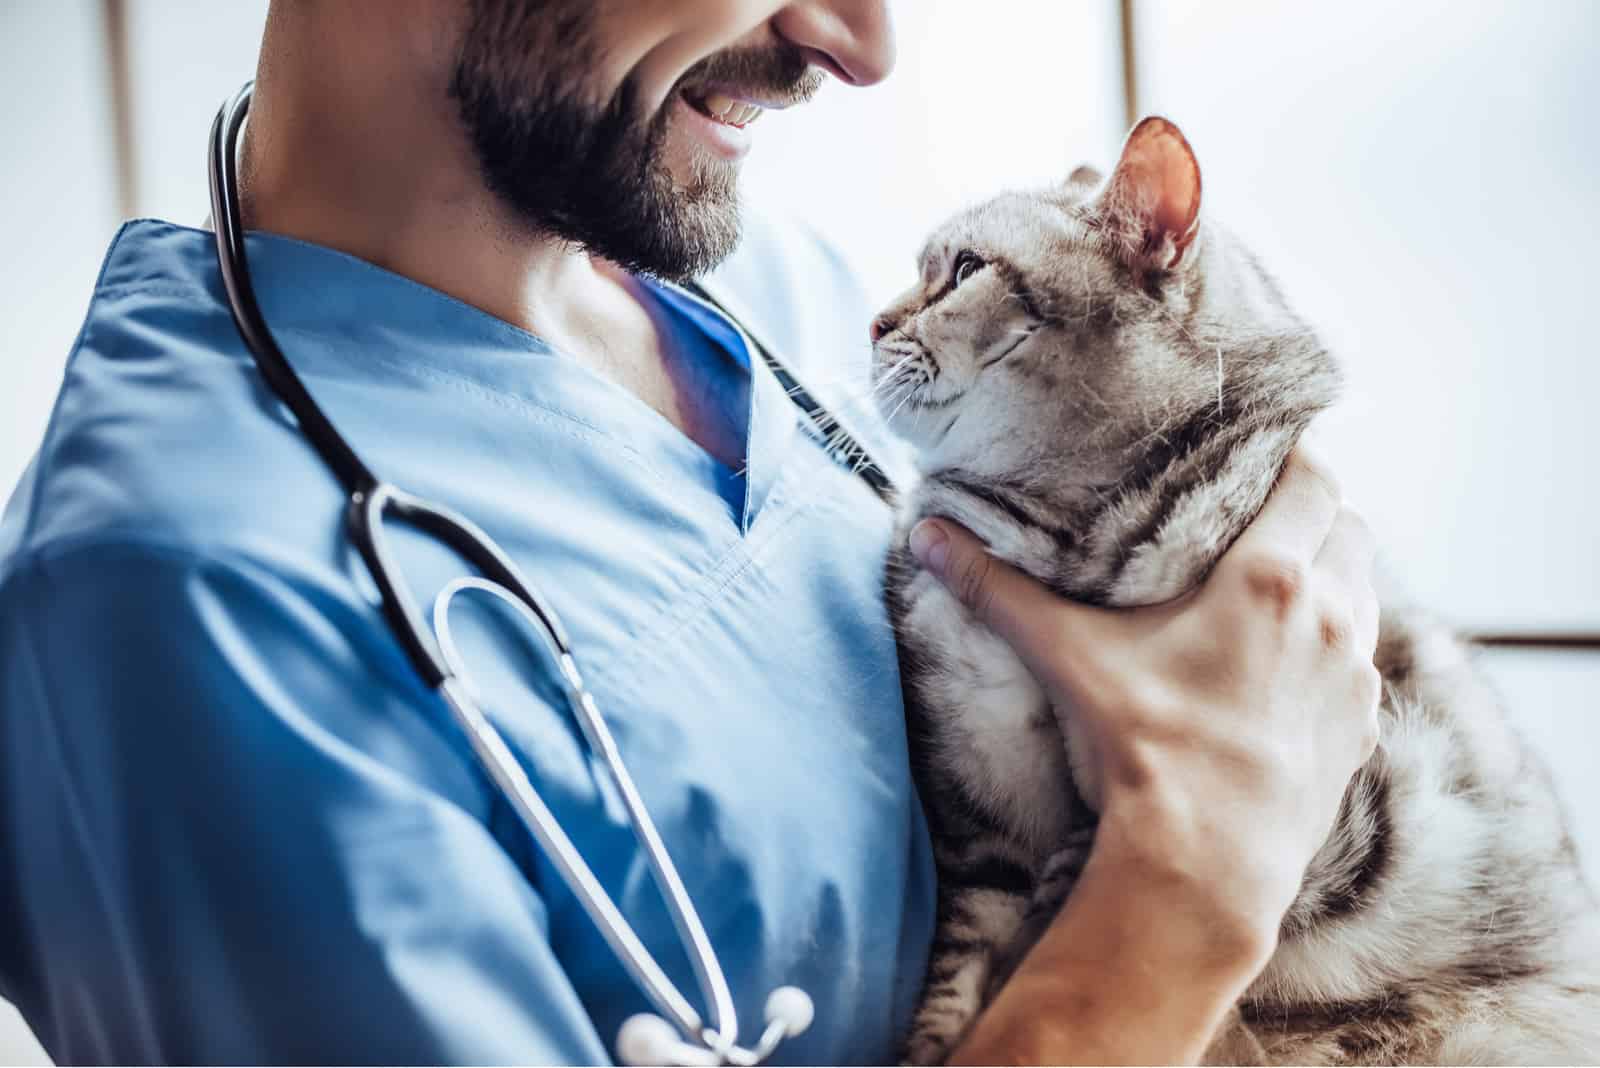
x=514 y=403
x=696 y=597
x=659 y=635
x=48 y=442
x=158 y=289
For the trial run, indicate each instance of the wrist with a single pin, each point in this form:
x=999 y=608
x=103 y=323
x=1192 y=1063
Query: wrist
x=1224 y=896
x=1141 y=966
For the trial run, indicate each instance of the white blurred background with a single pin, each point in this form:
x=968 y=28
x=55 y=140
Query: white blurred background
x=1424 y=177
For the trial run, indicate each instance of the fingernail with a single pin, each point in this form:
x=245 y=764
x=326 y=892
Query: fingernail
x=930 y=545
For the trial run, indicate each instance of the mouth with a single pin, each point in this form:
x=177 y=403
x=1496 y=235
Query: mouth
x=904 y=381
x=917 y=400
x=720 y=120
x=722 y=107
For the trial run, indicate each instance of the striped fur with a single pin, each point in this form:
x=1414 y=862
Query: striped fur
x=1109 y=416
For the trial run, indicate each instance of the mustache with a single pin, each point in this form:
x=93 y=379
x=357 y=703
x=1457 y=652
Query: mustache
x=780 y=72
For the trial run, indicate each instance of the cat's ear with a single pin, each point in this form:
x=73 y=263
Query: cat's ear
x=1151 y=204
x=1083 y=174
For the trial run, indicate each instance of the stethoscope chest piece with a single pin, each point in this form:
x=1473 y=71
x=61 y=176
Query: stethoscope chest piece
x=649 y=1039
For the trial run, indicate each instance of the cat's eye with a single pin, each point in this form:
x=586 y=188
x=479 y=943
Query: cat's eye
x=967 y=265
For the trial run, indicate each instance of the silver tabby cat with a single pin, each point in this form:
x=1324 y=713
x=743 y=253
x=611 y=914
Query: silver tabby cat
x=1104 y=386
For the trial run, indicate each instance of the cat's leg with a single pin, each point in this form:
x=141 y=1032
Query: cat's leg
x=1446 y=887
x=977 y=922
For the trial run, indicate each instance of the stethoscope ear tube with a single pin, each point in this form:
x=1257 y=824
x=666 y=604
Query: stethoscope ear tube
x=228 y=225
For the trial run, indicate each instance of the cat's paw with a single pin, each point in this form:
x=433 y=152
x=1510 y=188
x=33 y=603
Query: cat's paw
x=927 y=1048
x=939 y=1024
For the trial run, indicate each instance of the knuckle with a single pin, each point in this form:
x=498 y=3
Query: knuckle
x=1357 y=526
x=1371 y=682
x=1366 y=721
x=1278 y=581
x=1372 y=676
x=973 y=584
x=1366 y=601
x=1357 y=534
x=1317 y=474
x=1371 y=738
x=1147 y=710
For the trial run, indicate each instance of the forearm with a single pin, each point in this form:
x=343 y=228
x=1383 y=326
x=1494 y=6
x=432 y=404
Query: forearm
x=1138 y=968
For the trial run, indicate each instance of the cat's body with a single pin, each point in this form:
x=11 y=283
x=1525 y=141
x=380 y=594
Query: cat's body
x=1105 y=391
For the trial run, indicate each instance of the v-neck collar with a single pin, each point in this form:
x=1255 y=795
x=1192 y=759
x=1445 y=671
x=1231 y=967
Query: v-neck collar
x=771 y=420
x=369 y=320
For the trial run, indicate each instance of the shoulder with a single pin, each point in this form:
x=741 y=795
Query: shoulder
x=158 y=435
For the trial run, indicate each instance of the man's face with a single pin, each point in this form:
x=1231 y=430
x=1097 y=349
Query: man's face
x=619 y=125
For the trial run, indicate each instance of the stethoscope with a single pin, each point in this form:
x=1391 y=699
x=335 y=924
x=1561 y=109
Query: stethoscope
x=678 y=1035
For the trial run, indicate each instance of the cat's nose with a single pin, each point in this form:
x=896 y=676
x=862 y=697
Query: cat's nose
x=880 y=326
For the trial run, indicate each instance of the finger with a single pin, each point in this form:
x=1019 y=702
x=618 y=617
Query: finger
x=1298 y=514
x=1344 y=565
x=1038 y=625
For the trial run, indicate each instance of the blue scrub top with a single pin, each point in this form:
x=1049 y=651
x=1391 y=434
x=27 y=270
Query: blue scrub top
x=235 y=826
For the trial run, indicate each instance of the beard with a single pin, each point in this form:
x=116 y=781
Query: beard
x=588 y=167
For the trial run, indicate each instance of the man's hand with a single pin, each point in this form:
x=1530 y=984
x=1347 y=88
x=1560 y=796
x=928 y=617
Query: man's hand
x=1224 y=728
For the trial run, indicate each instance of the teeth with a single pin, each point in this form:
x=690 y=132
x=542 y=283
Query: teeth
x=718 y=105
x=726 y=109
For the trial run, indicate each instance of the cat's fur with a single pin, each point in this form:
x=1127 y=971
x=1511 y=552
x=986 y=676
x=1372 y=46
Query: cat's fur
x=1105 y=387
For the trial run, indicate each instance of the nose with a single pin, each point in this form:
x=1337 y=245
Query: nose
x=880 y=326
x=851 y=39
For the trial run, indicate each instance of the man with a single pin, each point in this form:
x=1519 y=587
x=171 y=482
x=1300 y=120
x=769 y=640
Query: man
x=237 y=825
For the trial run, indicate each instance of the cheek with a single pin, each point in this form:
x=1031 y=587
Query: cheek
x=949 y=335
x=658 y=40
x=992 y=332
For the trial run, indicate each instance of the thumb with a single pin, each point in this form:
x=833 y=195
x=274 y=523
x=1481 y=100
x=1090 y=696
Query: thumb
x=1040 y=626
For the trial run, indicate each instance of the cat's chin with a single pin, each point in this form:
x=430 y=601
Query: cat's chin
x=923 y=446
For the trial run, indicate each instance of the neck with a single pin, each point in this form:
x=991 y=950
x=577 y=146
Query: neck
x=364 y=153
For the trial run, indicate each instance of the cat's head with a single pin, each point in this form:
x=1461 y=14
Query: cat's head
x=1080 y=339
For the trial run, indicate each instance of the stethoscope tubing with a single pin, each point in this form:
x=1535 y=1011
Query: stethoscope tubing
x=370 y=500
x=437 y=660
